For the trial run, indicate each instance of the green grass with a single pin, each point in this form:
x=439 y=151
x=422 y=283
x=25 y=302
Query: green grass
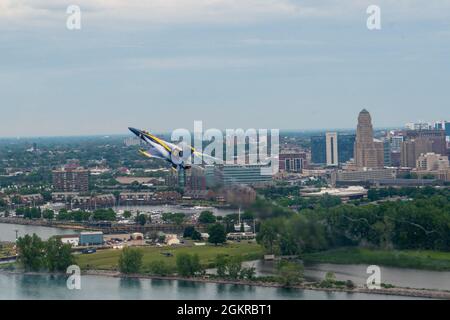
x=416 y=259
x=6 y=250
x=108 y=259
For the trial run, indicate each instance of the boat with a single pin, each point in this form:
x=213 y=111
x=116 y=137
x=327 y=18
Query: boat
x=237 y=227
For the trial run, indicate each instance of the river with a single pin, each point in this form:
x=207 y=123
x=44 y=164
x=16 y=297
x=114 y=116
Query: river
x=13 y=287
x=401 y=277
x=50 y=287
x=8 y=231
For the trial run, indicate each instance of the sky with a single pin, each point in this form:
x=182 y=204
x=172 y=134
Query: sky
x=275 y=64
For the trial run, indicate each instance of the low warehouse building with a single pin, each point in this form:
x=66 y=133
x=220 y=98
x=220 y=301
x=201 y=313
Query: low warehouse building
x=72 y=239
x=91 y=238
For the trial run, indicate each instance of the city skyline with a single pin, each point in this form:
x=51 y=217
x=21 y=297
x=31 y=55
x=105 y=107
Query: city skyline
x=285 y=64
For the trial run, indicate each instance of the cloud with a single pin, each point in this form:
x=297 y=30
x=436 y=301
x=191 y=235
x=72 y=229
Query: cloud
x=161 y=11
x=225 y=63
x=214 y=11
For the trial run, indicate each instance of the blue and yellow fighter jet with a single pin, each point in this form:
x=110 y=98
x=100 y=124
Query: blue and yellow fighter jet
x=160 y=149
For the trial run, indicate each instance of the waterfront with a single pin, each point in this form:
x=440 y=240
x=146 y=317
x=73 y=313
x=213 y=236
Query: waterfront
x=20 y=286
x=400 y=277
x=25 y=286
x=8 y=231
x=174 y=209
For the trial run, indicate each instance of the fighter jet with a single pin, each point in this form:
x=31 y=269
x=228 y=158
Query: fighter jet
x=160 y=149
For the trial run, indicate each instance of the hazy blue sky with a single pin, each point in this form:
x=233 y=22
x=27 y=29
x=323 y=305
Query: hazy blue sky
x=162 y=64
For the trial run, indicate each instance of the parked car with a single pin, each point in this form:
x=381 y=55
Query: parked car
x=89 y=251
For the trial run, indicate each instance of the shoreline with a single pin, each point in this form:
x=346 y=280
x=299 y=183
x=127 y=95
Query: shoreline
x=395 y=291
x=44 y=223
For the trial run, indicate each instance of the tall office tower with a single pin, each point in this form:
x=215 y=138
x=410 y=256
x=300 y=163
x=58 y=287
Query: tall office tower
x=412 y=149
x=447 y=129
x=291 y=160
x=368 y=153
x=318 y=150
x=387 y=152
x=332 y=148
x=443 y=125
x=396 y=143
x=346 y=147
x=435 y=137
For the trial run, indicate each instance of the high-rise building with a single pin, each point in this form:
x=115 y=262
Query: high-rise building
x=436 y=137
x=368 y=153
x=396 y=143
x=412 y=149
x=318 y=150
x=432 y=161
x=387 y=153
x=236 y=174
x=418 y=126
x=346 y=147
x=331 y=142
x=291 y=161
x=447 y=129
x=71 y=179
x=443 y=125
x=421 y=141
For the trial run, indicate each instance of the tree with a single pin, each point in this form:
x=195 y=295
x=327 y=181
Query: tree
x=141 y=219
x=48 y=214
x=196 y=236
x=267 y=235
x=58 y=256
x=206 y=217
x=159 y=268
x=290 y=273
x=104 y=215
x=217 y=234
x=248 y=273
x=221 y=265
x=130 y=260
x=177 y=218
x=188 y=231
x=188 y=265
x=31 y=252
x=234 y=267
x=127 y=214
x=329 y=281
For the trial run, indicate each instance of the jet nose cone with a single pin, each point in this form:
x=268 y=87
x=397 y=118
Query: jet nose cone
x=135 y=131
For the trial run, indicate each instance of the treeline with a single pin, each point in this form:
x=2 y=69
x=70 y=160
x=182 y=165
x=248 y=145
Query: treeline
x=411 y=192
x=83 y=216
x=423 y=223
x=415 y=224
x=35 y=213
x=38 y=255
x=64 y=215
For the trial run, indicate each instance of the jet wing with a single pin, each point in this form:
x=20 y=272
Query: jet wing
x=150 y=154
x=202 y=156
x=157 y=140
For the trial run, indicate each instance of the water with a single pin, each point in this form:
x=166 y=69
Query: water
x=7 y=231
x=412 y=278
x=407 y=278
x=99 y=287
x=174 y=208
x=50 y=287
